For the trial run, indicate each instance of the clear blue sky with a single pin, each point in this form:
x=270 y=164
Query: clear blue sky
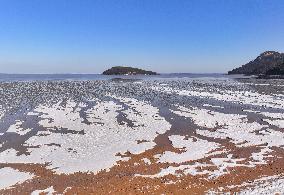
x=88 y=36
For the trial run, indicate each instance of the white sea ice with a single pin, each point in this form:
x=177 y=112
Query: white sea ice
x=10 y=177
x=47 y=191
x=233 y=126
x=277 y=119
x=224 y=163
x=212 y=106
x=243 y=97
x=209 y=119
x=146 y=161
x=265 y=185
x=16 y=128
x=98 y=147
x=2 y=112
x=192 y=149
x=259 y=157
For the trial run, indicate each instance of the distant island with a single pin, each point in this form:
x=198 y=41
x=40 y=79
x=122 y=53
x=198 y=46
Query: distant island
x=265 y=65
x=124 y=70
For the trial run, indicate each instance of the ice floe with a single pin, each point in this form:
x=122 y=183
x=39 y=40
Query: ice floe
x=276 y=119
x=16 y=128
x=47 y=191
x=191 y=149
x=10 y=177
x=209 y=119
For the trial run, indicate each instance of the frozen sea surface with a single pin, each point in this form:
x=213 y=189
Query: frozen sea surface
x=188 y=125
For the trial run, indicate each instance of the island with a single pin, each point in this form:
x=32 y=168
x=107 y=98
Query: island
x=274 y=73
x=267 y=63
x=278 y=70
x=124 y=70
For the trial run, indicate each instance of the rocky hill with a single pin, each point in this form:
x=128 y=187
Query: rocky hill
x=279 y=70
x=265 y=62
x=123 y=70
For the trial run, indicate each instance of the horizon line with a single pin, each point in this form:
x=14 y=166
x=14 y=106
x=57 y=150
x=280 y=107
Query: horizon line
x=1 y=73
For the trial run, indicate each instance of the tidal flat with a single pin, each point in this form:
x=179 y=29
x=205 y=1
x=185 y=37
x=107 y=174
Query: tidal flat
x=164 y=136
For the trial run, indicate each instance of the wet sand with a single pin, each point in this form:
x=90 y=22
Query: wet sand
x=178 y=136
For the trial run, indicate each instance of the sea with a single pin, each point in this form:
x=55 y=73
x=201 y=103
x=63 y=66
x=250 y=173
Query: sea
x=78 y=77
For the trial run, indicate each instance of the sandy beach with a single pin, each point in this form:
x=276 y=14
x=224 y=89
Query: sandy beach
x=165 y=136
